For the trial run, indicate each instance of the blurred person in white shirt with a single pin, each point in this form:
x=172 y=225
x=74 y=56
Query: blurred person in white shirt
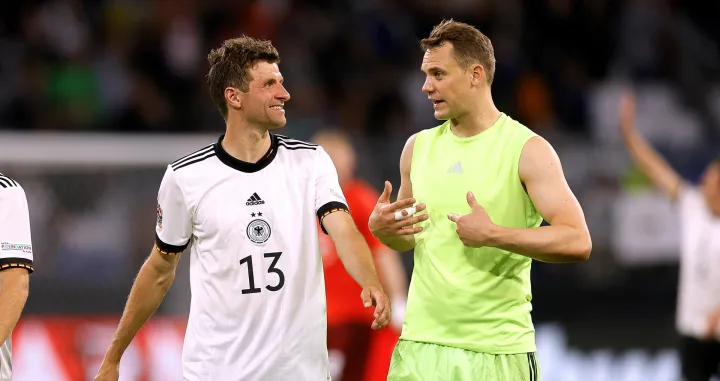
x=698 y=308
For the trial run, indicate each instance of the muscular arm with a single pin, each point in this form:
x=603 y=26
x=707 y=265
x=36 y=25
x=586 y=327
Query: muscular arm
x=567 y=239
x=404 y=242
x=152 y=283
x=352 y=249
x=14 y=287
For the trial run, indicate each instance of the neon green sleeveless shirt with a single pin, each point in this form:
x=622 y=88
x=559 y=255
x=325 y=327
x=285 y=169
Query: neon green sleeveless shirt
x=477 y=299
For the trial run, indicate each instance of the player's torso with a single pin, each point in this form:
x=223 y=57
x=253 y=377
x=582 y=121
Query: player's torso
x=258 y=302
x=482 y=287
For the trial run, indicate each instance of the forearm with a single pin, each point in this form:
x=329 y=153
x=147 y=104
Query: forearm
x=558 y=244
x=146 y=294
x=651 y=163
x=12 y=300
x=401 y=243
x=392 y=274
x=357 y=260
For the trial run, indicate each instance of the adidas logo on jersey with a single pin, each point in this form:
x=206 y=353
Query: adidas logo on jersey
x=456 y=168
x=254 y=200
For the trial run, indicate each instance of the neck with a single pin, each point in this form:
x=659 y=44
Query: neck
x=478 y=119
x=244 y=141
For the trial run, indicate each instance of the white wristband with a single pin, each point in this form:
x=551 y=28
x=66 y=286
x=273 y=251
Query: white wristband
x=410 y=211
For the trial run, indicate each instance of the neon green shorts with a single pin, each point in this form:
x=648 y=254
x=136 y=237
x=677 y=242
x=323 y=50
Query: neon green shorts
x=413 y=361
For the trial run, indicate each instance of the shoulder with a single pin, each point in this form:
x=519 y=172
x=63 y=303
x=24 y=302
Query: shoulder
x=297 y=152
x=10 y=189
x=291 y=144
x=190 y=161
x=690 y=197
x=7 y=182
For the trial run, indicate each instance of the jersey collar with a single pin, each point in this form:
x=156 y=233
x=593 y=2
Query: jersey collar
x=244 y=166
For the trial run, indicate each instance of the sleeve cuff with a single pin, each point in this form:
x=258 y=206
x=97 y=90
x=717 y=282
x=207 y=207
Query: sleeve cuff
x=330 y=207
x=11 y=263
x=168 y=249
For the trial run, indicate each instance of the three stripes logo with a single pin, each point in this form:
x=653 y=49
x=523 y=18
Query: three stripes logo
x=456 y=168
x=254 y=200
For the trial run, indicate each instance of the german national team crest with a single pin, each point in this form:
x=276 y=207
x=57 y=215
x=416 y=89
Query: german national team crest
x=159 y=216
x=258 y=231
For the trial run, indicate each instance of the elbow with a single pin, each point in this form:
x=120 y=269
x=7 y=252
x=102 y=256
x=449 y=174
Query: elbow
x=583 y=248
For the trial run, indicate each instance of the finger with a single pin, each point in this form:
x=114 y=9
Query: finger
x=403 y=213
x=399 y=204
x=366 y=298
x=453 y=217
x=410 y=221
x=381 y=306
x=471 y=200
x=387 y=191
x=409 y=231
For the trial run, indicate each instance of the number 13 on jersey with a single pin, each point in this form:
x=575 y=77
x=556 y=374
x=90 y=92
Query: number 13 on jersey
x=271 y=269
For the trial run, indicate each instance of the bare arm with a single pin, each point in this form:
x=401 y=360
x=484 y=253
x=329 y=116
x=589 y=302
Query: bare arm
x=152 y=283
x=650 y=162
x=352 y=249
x=568 y=238
x=14 y=288
x=399 y=242
x=355 y=256
x=392 y=274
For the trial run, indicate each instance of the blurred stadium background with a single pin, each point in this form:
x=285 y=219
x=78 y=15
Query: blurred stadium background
x=96 y=97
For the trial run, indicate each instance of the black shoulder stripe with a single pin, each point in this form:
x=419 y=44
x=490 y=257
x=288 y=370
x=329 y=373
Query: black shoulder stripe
x=197 y=160
x=284 y=145
x=193 y=155
x=7 y=182
x=293 y=142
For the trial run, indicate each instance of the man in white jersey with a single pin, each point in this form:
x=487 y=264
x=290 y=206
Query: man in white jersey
x=247 y=208
x=16 y=263
x=699 y=212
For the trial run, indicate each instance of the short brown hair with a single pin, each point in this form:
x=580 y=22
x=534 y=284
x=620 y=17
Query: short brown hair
x=230 y=66
x=469 y=45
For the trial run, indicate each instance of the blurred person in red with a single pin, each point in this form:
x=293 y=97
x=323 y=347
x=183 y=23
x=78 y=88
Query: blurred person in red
x=698 y=305
x=356 y=352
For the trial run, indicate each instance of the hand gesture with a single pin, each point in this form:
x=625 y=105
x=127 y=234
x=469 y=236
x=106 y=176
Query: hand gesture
x=627 y=113
x=475 y=229
x=374 y=296
x=389 y=220
x=108 y=372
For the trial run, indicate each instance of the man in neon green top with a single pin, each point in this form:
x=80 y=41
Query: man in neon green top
x=485 y=183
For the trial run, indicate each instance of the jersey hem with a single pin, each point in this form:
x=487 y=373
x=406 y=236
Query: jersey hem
x=327 y=209
x=510 y=350
x=167 y=249
x=12 y=263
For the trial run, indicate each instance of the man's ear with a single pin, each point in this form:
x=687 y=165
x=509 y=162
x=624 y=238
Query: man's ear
x=233 y=97
x=477 y=73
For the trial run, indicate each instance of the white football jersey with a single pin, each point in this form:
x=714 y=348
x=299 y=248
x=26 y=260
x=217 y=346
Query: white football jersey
x=257 y=311
x=699 y=284
x=15 y=247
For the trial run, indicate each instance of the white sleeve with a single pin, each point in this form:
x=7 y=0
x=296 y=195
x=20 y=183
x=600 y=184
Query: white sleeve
x=173 y=227
x=15 y=241
x=329 y=197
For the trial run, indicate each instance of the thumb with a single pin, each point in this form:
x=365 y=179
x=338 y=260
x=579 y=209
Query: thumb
x=385 y=196
x=471 y=200
x=366 y=298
